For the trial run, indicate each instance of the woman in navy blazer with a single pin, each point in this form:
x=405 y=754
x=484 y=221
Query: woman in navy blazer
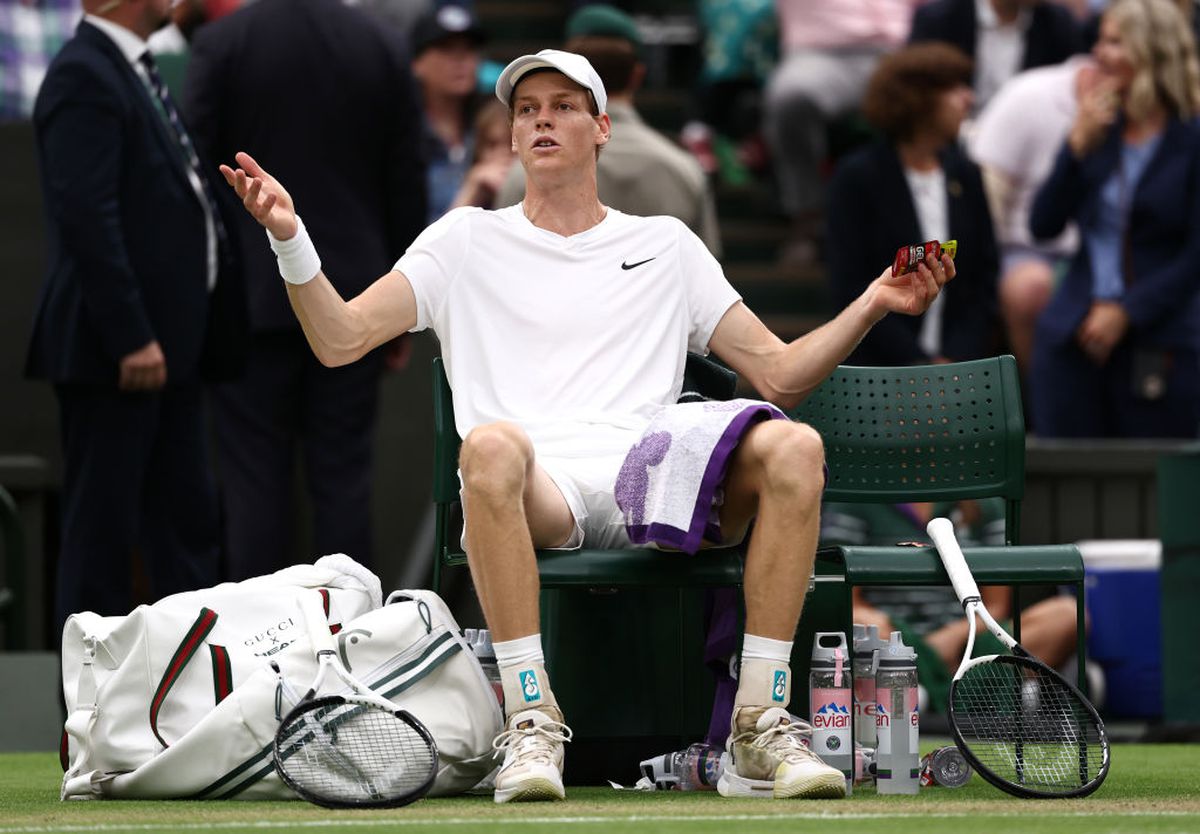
x=1117 y=351
x=918 y=97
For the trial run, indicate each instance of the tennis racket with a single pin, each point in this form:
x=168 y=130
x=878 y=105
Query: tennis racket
x=1018 y=722
x=355 y=749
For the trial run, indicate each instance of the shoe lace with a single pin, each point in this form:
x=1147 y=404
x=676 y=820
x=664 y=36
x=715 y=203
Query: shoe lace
x=535 y=743
x=786 y=740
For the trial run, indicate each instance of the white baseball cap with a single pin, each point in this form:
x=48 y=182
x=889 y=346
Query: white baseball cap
x=575 y=67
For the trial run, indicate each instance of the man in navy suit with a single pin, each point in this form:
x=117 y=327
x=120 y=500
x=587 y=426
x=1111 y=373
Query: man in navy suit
x=141 y=299
x=306 y=84
x=1002 y=37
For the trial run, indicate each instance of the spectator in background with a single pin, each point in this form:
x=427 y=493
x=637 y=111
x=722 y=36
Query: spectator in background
x=640 y=171
x=492 y=160
x=142 y=298
x=931 y=619
x=304 y=83
x=915 y=185
x=31 y=33
x=738 y=52
x=446 y=56
x=1002 y=37
x=1015 y=141
x=830 y=48
x=1116 y=351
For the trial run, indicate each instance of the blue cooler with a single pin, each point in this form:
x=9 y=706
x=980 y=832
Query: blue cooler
x=1122 y=581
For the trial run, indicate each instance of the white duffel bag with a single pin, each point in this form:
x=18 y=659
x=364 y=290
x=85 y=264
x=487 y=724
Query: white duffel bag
x=181 y=699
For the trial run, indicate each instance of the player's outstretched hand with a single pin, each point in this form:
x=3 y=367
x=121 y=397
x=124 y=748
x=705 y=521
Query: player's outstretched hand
x=913 y=293
x=262 y=195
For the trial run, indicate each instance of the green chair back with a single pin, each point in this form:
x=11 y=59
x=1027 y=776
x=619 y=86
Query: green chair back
x=925 y=433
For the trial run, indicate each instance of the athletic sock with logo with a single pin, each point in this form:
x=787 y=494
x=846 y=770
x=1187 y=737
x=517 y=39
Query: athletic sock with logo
x=523 y=674
x=765 y=678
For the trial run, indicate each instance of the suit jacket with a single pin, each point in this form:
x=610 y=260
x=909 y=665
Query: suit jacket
x=126 y=231
x=321 y=95
x=1052 y=37
x=1162 y=295
x=871 y=214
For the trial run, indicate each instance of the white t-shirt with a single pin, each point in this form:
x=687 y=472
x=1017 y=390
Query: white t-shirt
x=580 y=339
x=928 y=189
x=1020 y=134
x=999 y=48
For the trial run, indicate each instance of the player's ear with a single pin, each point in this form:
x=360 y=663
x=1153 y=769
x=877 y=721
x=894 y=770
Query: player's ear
x=604 y=129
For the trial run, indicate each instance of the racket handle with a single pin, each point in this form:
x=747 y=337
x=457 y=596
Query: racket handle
x=312 y=609
x=942 y=533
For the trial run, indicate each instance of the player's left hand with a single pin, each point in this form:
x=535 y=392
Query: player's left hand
x=913 y=293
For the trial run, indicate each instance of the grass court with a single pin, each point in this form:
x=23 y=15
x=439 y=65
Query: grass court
x=1151 y=788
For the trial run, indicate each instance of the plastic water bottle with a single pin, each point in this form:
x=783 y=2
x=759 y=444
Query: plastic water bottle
x=829 y=702
x=700 y=768
x=696 y=768
x=480 y=641
x=897 y=724
x=867 y=646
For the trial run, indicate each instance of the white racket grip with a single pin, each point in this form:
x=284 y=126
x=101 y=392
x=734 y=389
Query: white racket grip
x=942 y=533
x=313 y=611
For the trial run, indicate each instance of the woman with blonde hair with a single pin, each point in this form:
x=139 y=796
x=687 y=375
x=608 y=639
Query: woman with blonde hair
x=1117 y=352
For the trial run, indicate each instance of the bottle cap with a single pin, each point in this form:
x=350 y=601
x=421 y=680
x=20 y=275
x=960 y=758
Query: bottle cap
x=829 y=649
x=869 y=643
x=895 y=654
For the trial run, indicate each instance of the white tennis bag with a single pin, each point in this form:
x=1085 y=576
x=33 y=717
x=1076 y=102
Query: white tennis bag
x=181 y=699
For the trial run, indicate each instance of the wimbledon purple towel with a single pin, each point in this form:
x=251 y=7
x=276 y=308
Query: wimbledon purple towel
x=669 y=485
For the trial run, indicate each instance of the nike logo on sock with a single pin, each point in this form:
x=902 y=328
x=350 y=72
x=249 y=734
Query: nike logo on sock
x=639 y=263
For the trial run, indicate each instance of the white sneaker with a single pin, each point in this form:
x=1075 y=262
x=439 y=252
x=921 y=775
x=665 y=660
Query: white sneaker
x=533 y=756
x=768 y=757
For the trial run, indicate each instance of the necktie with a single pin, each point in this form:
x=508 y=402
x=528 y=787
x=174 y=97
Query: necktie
x=185 y=142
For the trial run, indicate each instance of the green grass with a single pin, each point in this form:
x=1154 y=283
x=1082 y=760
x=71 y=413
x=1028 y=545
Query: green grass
x=1151 y=788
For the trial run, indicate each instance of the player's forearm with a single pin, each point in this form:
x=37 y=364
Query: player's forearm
x=806 y=362
x=335 y=331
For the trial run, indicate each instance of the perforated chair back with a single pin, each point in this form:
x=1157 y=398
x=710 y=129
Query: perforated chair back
x=929 y=433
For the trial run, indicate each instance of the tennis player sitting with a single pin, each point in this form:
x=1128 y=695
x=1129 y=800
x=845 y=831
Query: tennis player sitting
x=564 y=326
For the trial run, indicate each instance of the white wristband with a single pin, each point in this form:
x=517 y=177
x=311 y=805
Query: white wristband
x=297 y=257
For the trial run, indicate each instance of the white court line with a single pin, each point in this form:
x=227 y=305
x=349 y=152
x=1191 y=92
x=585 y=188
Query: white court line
x=484 y=820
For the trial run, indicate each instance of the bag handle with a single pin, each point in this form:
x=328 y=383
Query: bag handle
x=186 y=650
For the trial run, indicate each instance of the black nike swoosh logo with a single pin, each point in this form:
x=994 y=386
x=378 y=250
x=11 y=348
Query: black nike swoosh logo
x=639 y=263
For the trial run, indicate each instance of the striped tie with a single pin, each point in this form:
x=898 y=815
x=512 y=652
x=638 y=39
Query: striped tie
x=167 y=105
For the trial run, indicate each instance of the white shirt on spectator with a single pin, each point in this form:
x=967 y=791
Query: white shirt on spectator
x=1019 y=134
x=999 y=49
x=928 y=189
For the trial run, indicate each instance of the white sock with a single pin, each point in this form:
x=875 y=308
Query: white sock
x=523 y=674
x=765 y=678
x=522 y=650
x=764 y=648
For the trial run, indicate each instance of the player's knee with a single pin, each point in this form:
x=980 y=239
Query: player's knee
x=794 y=459
x=495 y=458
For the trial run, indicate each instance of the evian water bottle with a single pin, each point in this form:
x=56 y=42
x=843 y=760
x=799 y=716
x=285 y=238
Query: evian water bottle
x=897 y=757
x=829 y=702
x=867 y=646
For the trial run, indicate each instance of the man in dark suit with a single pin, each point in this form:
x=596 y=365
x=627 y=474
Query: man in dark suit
x=1002 y=37
x=306 y=84
x=141 y=298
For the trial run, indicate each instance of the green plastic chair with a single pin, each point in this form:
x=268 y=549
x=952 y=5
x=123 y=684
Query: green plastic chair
x=934 y=433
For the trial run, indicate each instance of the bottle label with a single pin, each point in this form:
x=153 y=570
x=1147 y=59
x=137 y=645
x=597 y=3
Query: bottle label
x=830 y=710
x=883 y=720
x=864 y=709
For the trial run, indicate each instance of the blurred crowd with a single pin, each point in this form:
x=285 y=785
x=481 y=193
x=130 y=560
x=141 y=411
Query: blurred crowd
x=1056 y=141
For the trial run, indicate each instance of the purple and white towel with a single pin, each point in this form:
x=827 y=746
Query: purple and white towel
x=668 y=486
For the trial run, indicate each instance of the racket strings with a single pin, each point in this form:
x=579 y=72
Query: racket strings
x=352 y=754
x=1027 y=727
